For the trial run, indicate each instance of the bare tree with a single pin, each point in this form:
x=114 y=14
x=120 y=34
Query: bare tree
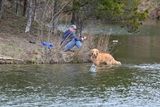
x=31 y=13
x=58 y=9
x=1 y=8
x=80 y=13
x=17 y=2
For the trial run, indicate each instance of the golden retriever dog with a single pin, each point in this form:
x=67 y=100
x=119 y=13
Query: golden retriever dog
x=98 y=57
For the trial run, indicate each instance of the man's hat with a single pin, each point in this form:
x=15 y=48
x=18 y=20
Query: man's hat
x=74 y=26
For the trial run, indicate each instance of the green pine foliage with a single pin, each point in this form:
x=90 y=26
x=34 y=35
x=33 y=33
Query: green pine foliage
x=123 y=12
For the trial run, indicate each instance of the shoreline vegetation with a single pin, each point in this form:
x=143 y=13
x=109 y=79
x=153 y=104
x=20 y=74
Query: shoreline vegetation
x=22 y=49
x=24 y=26
x=15 y=50
x=17 y=47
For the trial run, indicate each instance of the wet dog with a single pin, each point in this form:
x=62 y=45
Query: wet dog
x=98 y=57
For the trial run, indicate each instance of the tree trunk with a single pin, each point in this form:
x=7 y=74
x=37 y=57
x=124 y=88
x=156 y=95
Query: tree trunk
x=24 y=7
x=77 y=18
x=1 y=8
x=17 y=6
x=32 y=7
x=58 y=8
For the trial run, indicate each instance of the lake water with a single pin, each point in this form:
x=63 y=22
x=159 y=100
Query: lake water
x=134 y=84
x=72 y=85
x=139 y=48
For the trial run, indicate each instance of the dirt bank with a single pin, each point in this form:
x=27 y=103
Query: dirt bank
x=16 y=49
x=19 y=47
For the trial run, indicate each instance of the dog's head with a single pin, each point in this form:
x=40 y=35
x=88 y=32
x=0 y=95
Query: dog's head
x=94 y=53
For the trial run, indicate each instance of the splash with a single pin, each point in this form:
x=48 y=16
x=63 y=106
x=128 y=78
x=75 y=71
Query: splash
x=93 y=68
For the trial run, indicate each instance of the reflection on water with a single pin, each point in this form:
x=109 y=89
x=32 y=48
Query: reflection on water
x=137 y=49
x=73 y=85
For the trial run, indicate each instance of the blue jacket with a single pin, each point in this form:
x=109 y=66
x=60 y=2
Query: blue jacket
x=69 y=35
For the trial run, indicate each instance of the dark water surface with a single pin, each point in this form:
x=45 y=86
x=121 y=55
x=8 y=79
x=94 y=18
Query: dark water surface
x=137 y=49
x=141 y=47
x=72 y=85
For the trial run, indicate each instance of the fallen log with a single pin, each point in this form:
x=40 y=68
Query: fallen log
x=10 y=60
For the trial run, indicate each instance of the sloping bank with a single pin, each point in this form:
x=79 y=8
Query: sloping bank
x=17 y=49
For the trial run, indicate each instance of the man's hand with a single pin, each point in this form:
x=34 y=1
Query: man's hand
x=83 y=38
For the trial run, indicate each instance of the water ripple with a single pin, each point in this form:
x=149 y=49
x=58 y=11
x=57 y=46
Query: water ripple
x=147 y=67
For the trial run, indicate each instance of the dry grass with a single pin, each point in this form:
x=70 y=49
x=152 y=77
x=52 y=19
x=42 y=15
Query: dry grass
x=15 y=43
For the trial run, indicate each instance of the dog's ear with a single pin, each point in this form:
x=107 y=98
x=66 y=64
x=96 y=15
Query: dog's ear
x=90 y=52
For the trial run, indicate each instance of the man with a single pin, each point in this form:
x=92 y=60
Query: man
x=70 y=39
